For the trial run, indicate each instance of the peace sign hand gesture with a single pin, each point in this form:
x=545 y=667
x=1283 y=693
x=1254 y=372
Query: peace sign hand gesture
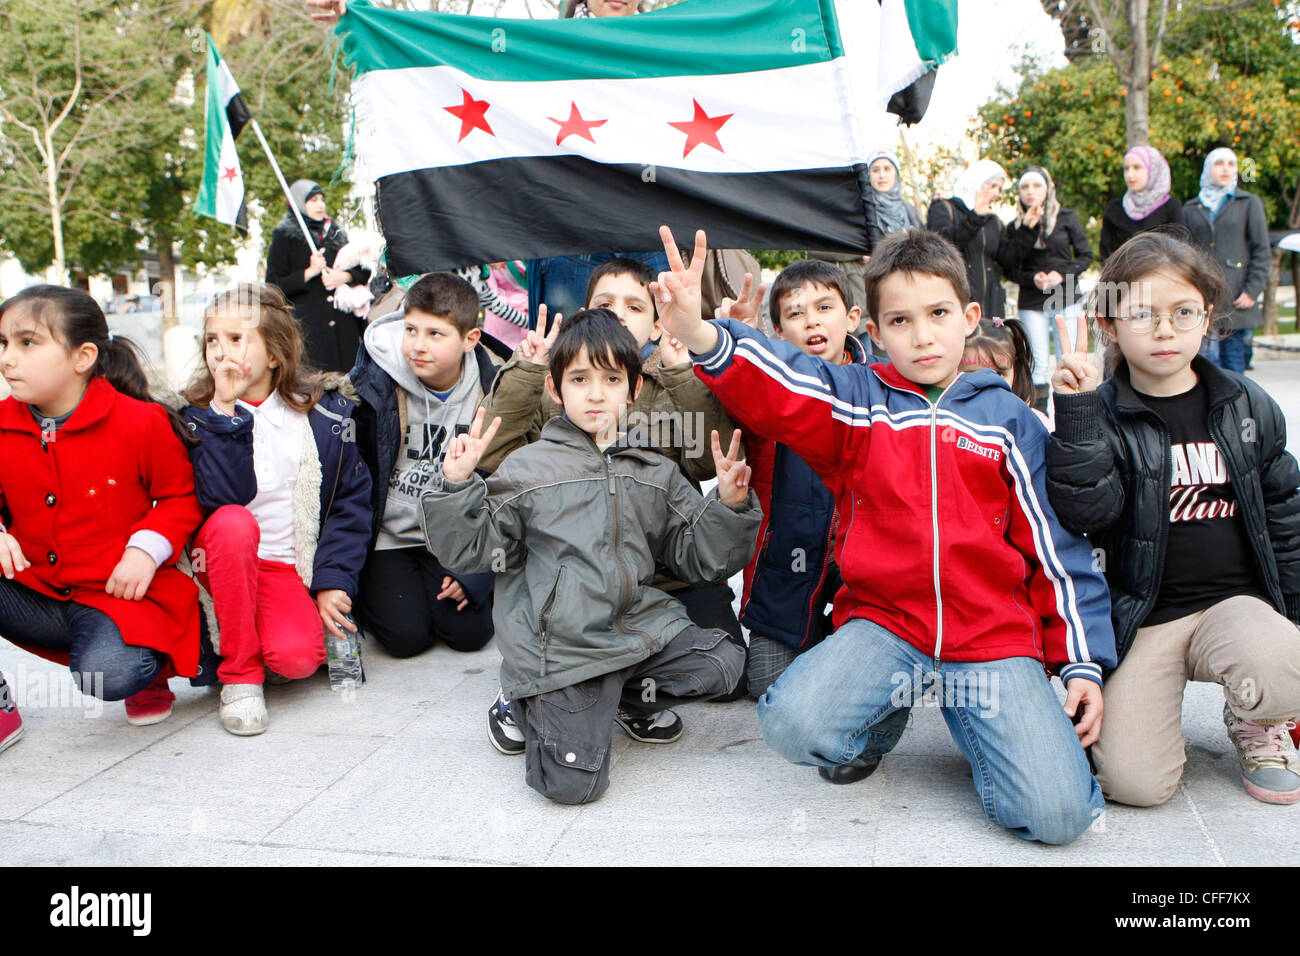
x=733 y=475
x=230 y=378
x=464 y=452
x=1075 y=374
x=677 y=294
x=746 y=308
x=536 y=346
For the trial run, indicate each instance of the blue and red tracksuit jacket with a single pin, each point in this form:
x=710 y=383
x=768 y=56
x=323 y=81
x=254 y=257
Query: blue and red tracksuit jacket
x=791 y=571
x=946 y=535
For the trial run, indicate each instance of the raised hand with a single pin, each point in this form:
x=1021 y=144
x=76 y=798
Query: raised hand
x=672 y=352
x=231 y=377
x=331 y=9
x=733 y=475
x=1075 y=373
x=464 y=452
x=747 y=307
x=1032 y=215
x=677 y=294
x=536 y=346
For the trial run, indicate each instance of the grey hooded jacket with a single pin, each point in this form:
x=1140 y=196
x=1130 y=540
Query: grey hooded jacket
x=573 y=534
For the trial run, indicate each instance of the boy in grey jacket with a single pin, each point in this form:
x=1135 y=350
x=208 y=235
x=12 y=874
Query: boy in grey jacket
x=573 y=526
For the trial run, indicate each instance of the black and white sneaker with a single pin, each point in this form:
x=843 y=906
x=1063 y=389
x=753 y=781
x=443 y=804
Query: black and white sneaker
x=502 y=729
x=661 y=728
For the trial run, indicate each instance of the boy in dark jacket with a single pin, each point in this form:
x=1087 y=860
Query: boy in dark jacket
x=420 y=375
x=579 y=521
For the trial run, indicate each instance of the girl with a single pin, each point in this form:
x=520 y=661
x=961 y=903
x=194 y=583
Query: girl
x=1147 y=203
x=277 y=464
x=1178 y=473
x=1049 y=253
x=97 y=502
x=1002 y=345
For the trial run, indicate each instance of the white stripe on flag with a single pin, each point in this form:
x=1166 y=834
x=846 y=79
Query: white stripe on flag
x=230 y=190
x=788 y=119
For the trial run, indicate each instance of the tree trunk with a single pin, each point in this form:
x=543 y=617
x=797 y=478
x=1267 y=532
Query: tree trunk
x=166 y=288
x=1137 y=108
x=58 y=271
x=1270 y=293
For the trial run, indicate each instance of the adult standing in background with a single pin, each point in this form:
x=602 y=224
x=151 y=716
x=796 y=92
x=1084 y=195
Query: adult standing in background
x=1050 y=252
x=600 y=8
x=1230 y=223
x=1145 y=205
x=307 y=279
x=968 y=220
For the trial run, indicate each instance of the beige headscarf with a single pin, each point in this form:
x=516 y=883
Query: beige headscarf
x=1051 y=206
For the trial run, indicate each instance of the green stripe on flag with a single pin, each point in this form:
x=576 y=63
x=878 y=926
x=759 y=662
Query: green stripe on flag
x=934 y=28
x=215 y=110
x=694 y=38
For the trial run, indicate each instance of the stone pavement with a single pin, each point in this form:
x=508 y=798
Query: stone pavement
x=405 y=776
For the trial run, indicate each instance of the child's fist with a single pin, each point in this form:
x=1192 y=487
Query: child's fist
x=1085 y=693
x=132 y=576
x=733 y=475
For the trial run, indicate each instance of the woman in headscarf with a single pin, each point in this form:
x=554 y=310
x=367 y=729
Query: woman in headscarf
x=1147 y=203
x=1230 y=223
x=308 y=281
x=887 y=211
x=968 y=219
x=1050 y=252
x=600 y=8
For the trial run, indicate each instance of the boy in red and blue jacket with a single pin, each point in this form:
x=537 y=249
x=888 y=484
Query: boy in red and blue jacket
x=958 y=578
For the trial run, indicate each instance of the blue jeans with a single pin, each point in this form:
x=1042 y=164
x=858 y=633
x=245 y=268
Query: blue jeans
x=835 y=703
x=1234 y=350
x=102 y=664
x=561 y=281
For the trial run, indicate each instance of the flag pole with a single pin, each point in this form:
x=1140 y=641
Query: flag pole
x=297 y=214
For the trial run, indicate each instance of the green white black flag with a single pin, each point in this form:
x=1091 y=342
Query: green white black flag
x=221 y=195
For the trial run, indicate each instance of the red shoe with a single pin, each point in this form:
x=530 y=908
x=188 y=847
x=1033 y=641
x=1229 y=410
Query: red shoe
x=152 y=705
x=1295 y=735
x=11 y=724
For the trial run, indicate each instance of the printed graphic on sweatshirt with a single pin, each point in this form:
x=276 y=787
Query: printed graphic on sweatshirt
x=1199 y=488
x=425 y=448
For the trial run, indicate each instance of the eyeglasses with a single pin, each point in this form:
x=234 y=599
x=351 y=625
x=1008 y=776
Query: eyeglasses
x=1184 y=320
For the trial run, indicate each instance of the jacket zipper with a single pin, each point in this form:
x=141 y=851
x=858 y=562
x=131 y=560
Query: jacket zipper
x=546 y=618
x=617 y=512
x=934 y=520
x=826 y=563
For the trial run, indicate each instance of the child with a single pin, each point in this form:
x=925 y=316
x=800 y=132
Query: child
x=674 y=407
x=277 y=465
x=581 y=519
x=97 y=502
x=957 y=575
x=1003 y=346
x=420 y=375
x=1178 y=473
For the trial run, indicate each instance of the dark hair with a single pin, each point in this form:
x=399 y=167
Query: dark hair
x=917 y=251
x=1158 y=250
x=609 y=345
x=619 y=266
x=1007 y=337
x=447 y=296
x=75 y=319
x=793 y=277
x=267 y=310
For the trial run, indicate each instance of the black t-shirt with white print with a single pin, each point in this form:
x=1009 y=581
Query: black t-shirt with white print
x=1208 y=557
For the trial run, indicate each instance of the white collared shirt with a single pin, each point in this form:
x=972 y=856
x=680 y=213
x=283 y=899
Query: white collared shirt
x=278 y=435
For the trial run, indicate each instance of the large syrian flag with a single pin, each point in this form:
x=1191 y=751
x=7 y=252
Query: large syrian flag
x=493 y=139
x=221 y=194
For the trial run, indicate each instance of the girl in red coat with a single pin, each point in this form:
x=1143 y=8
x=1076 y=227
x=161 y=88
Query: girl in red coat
x=97 y=501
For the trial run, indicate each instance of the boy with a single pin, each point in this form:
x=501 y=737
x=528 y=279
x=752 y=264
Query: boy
x=674 y=407
x=793 y=576
x=578 y=521
x=420 y=374
x=957 y=575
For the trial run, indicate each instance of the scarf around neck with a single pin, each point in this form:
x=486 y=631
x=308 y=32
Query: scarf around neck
x=889 y=205
x=1213 y=196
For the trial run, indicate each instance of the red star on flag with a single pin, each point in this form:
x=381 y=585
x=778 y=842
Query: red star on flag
x=471 y=115
x=701 y=129
x=230 y=172
x=575 y=125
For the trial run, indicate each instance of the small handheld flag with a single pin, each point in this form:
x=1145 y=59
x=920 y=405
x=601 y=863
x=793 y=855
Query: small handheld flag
x=222 y=194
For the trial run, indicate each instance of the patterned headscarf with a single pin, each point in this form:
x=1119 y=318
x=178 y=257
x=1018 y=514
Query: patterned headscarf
x=1051 y=207
x=1143 y=202
x=968 y=184
x=1213 y=196
x=890 y=206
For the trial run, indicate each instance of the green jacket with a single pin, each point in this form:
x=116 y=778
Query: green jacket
x=674 y=407
x=574 y=534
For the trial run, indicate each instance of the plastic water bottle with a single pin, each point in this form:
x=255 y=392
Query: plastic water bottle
x=343 y=655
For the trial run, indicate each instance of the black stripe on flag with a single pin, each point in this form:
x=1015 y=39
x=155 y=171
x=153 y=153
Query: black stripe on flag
x=535 y=207
x=241 y=218
x=237 y=114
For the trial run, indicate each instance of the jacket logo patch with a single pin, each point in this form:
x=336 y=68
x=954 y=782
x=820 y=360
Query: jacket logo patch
x=993 y=454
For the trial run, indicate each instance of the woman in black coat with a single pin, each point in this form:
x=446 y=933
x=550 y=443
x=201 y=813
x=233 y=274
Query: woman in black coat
x=308 y=281
x=969 y=221
x=1147 y=203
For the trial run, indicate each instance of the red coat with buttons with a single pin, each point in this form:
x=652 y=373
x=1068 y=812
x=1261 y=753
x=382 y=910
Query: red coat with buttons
x=114 y=468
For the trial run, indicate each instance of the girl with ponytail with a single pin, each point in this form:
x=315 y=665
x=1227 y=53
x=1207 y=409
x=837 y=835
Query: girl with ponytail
x=96 y=504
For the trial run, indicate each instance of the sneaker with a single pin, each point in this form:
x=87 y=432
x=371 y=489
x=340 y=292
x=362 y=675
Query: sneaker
x=152 y=705
x=1270 y=767
x=243 y=709
x=859 y=768
x=502 y=729
x=661 y=728
x=11 y=724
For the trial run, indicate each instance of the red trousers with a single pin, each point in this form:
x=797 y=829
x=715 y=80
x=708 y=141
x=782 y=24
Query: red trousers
x=266 y=616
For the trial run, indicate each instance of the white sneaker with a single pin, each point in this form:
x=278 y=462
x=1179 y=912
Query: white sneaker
x=243 y=709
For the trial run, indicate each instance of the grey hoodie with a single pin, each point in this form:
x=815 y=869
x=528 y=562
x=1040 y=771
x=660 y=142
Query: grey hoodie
x=430 y=423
